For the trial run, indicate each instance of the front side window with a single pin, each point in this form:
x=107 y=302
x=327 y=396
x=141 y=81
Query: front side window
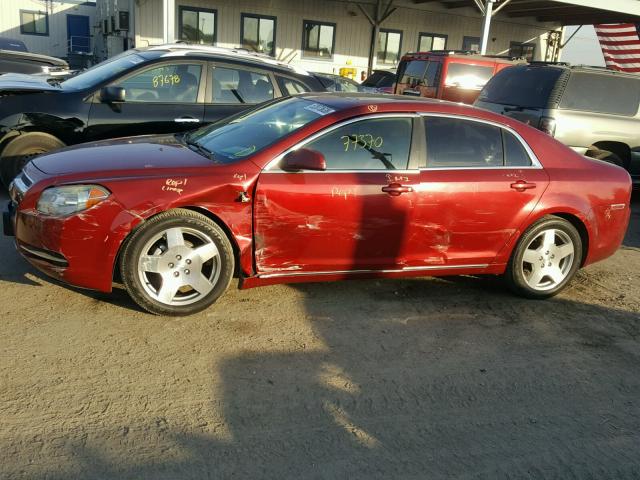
x=197 y=25
x=258 y=33
x=455 y=143
x=522 y=50
x=318 y=39
x=236 y=85
x=34 y=23
x=389 y=42
x=373 y=144
x=431 y=41
x=165 y=84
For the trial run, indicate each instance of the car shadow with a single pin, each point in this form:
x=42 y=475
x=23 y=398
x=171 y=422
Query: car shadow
x=421 y=378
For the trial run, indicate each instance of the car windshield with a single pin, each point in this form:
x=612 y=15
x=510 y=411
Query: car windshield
x=527 y=87
x=103 y=71
x=247 y=134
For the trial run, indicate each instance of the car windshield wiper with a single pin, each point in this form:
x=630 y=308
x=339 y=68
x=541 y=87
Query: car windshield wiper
x=198 y=147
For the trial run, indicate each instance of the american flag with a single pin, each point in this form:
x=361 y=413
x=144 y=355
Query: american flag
x=620 y=43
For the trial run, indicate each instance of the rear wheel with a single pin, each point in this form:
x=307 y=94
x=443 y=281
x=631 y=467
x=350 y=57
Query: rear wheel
x=547 y=257
x=22 y=149
x=177 y=263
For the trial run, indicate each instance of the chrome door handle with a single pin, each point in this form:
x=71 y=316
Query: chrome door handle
x=186 y=120
x=522 y=185
x=395 y=189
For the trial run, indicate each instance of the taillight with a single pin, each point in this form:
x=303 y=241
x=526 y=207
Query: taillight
x=547 y=125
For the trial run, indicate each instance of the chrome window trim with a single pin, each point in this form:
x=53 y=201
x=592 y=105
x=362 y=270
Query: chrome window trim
x=400 y=270
x=272 y=166
x=535 y=162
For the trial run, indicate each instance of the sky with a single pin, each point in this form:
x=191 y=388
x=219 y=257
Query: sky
x=583 y=48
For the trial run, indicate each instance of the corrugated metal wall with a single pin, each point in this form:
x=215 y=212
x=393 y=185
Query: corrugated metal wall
x=353 y=31
x=55 y=43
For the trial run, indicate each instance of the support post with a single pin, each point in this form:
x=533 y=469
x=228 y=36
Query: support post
x=486 y=26
x=169 y=20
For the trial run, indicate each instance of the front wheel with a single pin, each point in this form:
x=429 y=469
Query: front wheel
x=22 y=149
x=547 y=257
x=178 y=263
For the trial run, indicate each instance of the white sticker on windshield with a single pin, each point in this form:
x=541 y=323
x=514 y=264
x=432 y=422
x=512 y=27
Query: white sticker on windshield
x=319 y=109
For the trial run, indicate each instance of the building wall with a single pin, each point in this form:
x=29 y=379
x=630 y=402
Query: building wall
x=353 y=30
x=54 y=44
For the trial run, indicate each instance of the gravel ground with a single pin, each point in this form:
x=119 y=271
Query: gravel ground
x=427 y=378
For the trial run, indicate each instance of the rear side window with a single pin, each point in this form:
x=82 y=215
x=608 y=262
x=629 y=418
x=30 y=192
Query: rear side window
x=373 y=144
x=594 y=92
x=462 y=75
x=236 y=85
x=291 y=87
x=459 y=143
x=514 y=153
x=527 y=87
x=455 y=143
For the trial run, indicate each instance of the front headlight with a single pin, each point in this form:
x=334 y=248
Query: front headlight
x=45 y=69
x=66 y=200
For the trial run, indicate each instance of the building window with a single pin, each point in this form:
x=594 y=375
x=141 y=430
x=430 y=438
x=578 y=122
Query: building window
x=198 y=25
x=523 y=50
x=34 y=23
x=431 y=41
x=318 y=39
x=389 y=42
x=471 y=44
x=258 y=33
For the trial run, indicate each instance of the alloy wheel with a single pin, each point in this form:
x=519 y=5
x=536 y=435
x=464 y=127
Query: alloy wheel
x=548 y=259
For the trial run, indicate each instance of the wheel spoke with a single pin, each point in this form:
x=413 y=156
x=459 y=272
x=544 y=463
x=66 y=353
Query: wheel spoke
x=168 y=290
x=150 y=263
x=174 y=237
x=206 y=251
x=531 y=256
x=564 y=251
x=201 y=284
x=549 y=239
x=556 y=274
x=537 y=274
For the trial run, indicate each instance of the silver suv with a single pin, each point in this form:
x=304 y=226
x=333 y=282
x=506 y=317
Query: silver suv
x=590 y=109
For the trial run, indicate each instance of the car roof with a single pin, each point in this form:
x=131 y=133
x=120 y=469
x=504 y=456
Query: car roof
x=579 y=68
x=211 y=52
x=470 y=56
x=348 y=100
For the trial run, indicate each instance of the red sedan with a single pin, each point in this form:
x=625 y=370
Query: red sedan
x=319 y=187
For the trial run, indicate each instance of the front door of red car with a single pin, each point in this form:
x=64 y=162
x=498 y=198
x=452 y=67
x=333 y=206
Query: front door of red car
x=480 y=184
x=355 y=215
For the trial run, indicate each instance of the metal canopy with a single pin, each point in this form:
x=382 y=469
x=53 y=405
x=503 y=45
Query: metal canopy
x=563 y=12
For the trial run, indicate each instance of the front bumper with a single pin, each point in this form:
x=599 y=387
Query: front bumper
x=79 y=249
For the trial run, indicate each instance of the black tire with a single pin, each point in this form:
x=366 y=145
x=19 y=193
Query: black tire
x=515 y=273
x=134 y=247
x=605 y=156
x=22 y=149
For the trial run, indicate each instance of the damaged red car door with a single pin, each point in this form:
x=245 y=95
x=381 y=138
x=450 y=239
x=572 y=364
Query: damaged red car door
x=354 y=215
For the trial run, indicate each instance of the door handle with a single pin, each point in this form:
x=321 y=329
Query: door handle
x=395 y=189
x=186 y=120
x=522 y=185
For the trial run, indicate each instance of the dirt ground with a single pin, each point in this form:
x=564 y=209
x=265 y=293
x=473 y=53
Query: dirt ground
x=429 y=378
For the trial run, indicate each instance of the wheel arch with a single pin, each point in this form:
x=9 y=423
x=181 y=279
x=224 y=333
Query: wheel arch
x=580 y=226
x=194 y=208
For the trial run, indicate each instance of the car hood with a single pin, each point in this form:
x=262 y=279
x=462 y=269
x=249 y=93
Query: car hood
x=122 y=154
x=34 y=58
x=20 y=82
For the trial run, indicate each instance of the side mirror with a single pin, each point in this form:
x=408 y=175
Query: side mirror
x=304 y=159
x=112 y=95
